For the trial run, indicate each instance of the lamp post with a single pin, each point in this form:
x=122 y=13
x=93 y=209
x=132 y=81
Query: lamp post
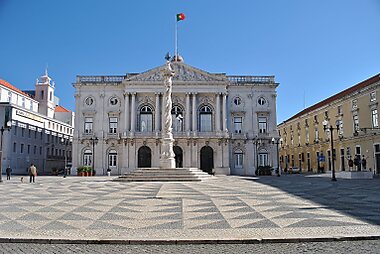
x=66 y=143
x=325 y=124
x=93 y=142
x=277 y=142
x=7 y=127
x=258 y=143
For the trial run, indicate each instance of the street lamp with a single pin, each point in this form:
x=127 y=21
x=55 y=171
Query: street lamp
x=93 y=142
x=325 y=124
x=258 y=143
x=66 y=143
x=7 y=127
x=277 y=142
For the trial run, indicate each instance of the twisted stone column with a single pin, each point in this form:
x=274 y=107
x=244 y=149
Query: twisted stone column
x=167 y=156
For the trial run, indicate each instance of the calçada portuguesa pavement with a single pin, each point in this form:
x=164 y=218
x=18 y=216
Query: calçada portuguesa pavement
x=222 y=209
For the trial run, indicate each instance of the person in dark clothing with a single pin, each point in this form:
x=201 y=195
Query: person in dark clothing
x=8 y=171
x=364 y=163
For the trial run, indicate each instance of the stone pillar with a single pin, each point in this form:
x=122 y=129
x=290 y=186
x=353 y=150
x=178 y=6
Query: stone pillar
x=224 y=112
x=157 y=114
x=126 y=113
x=217 y=113
x=167 y=160
x=133 y=114
x=187 y=116
x=194 y=112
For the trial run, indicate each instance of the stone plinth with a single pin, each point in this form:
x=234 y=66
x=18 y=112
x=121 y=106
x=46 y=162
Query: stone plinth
x=355 y=175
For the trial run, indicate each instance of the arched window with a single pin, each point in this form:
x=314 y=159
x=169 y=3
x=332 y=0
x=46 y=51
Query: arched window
x=146 y=119
x=112 y=159
x=205 y=119
x=87 y=158
x=238 y=156
x=177 y=117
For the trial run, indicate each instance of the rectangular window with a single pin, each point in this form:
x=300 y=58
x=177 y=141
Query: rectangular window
x=342 y=164
x=35 y=149
x=307 y=135
x=113 y=124
x=15 y=131
x=356 y=123
x=238 y=122
x=88 y=124
x=262 y=124
x=146 y=122
x=372 y=96
x=22 y=148
x=28 y=149
x=29 y=133
x=40 y=150
x=22 y=132
x=23 y=102
x=238 y=159
x=316 y=134
x=339 y=110
x=14 y=147
x=263 y=159
x=9 y=96
x=340 y=127
x=42 y=95
x=51 y=96
x=375 y=118
x=31 y=106
x=112 y=160
x=206 y=122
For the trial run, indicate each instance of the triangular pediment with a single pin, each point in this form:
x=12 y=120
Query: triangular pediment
x=183 y=72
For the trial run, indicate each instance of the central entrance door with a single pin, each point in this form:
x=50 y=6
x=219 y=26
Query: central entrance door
x=207 y=159
x=178 y=156
x=144 y=157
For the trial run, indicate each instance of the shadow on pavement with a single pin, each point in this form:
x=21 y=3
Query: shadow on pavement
x=358 y=198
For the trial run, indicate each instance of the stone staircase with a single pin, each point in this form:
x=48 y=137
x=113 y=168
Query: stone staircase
x=164 y=175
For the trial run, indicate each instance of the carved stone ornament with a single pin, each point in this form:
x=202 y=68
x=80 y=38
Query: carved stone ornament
x=183 y=72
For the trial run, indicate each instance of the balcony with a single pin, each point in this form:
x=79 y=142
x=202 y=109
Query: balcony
x=251 y=79
x=100 y=79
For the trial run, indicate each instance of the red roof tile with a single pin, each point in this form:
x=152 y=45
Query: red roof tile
x=8 y=85
x=61 y=109
x=337 y=96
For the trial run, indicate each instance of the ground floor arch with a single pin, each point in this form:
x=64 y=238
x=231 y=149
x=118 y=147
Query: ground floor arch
x=207 y=159
x=178 y=156
x=144 y=157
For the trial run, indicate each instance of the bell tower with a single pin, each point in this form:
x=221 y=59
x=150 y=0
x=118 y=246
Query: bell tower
x=45 y=95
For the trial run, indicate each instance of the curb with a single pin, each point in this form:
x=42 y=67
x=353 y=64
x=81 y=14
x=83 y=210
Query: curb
x=184 y=242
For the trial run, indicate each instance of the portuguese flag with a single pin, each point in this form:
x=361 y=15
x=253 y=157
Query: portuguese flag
x=180 y=17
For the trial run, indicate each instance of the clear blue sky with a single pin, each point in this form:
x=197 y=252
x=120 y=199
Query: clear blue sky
x=314 y=47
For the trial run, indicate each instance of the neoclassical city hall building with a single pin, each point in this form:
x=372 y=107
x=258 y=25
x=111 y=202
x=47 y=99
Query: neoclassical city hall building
x=221 y=124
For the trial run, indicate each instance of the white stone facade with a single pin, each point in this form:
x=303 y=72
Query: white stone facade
x=215 y=121
x=41 y=131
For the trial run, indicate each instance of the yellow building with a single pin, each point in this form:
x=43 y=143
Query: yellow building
x=351 y=115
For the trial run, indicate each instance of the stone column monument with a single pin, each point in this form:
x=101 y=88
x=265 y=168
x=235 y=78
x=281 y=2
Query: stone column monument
x=167 y=160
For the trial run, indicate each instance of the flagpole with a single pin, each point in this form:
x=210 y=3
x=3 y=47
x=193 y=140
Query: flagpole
x=176 y=40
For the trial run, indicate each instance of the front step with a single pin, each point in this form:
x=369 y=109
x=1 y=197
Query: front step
x=164 y=175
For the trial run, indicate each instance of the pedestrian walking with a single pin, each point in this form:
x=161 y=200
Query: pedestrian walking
x=32 y=173
x=364 y=163
x=8 y=171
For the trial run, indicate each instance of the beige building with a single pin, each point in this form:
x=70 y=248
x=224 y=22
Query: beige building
x=353 y=115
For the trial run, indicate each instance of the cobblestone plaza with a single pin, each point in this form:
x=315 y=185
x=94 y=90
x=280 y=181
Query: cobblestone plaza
x=223 y=208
